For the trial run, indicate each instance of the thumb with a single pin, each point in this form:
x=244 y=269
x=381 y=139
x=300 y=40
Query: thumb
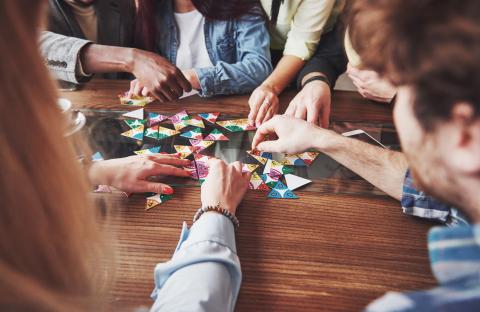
x=269 y=146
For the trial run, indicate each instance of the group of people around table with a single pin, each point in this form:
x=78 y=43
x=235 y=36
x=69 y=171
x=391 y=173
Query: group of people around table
x=420 y=56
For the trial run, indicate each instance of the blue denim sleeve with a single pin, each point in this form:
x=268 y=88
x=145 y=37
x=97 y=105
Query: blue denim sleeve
x=204 y=273
x=253 y=63
x=417 y=203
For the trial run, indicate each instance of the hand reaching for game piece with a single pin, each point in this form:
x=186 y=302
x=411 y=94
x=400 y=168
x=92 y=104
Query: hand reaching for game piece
x=294 y=136
x=312 y=104
x=263 y=105
x=225 y=184
x=130 y=174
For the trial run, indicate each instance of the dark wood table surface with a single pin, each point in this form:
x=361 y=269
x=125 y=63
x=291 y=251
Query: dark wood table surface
x=322 y=252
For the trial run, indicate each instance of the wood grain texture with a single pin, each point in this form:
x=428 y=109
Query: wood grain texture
x=322 y=252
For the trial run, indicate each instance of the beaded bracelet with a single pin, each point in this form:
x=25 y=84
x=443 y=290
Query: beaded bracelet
x=218 y=209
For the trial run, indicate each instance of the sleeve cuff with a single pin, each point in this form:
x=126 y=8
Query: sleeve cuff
x=206 y=77
x=211 y=227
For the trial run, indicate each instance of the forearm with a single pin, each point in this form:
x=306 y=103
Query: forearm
x=285 y=71
x=97 y=58
x=383 y=168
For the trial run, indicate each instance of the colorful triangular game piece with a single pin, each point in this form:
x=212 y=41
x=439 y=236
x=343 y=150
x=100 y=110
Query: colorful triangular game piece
x=148 y=151
x=256 y=183
x=236 y=125
x=136 y=114
x=200 y=144
x=195 y=121
x=195 y=133
x=135 y=123
x=281 y=191
x=249 y=167
x=210 y=117
x=156 y=200
x=308 y=157
x=154 y=118
x=261 y=154
x=294 y=182
x=184 y=150
x=269 y=180
x=136 y=133
x=293 y=160
x=216 y=135
x=276 y=169
x=97 y=156
x=180 y=120
x=135 y=100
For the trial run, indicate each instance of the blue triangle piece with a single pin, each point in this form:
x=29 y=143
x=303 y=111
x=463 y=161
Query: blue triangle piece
x=299 y=162
x=289 y=194
x=274 y=194
x=280 y=186
x=281 y=191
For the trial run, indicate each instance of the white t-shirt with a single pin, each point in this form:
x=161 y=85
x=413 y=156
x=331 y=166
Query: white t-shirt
x=192 y=51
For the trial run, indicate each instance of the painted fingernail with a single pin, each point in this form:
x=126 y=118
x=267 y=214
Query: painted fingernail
x=167 y=190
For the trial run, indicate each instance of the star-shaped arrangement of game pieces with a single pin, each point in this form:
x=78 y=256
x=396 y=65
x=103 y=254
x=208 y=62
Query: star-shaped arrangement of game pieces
x=274 y=172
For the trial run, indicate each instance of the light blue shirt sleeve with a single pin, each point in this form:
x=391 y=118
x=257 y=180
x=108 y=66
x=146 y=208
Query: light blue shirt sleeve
x=204 y=273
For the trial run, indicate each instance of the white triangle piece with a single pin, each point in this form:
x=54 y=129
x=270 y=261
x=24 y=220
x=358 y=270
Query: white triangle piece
x=137 y=114
x=294 y=182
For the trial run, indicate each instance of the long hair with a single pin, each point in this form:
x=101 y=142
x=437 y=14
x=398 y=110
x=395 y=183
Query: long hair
x=50 y=238
x=211 y=9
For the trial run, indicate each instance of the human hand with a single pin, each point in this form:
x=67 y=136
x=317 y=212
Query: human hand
x=225 y=185
x=192 y=77
x=156 y=76
x=312 y=103
x=130 y=174
x=294 y=135
x=370 y=85
x=263 y=104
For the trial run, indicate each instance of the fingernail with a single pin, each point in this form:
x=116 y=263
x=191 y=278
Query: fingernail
x=167 y=190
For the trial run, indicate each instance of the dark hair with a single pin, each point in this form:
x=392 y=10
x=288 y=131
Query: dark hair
x=211 y=9
x=431 y=45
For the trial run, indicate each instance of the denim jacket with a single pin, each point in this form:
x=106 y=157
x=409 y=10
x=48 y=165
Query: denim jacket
x=239 y=50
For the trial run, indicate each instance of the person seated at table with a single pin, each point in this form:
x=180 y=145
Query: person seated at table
x=437 y=115
x=55 y=254
x=86 y=37
x=297 y=29
x=222 y=47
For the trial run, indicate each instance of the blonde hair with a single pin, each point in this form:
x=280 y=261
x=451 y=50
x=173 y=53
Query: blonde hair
x=50 y=238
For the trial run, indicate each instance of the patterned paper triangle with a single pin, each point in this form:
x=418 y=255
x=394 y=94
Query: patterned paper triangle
x=135 y=123
x=136 y=133
x=216 y=135
x=236 y=125
x=276 y=169
x=200 y=144
x=180 y=120
x=193 y=134
x=256 y=183
x=192 y=171
x=294 y=182
x=148 y=151
x=308 y=157
x=97 y=156
x=156 y=200
x=184 y=150
x=269 y=180
x=195 y=121
x=249 y=167
x=154 y=118
x=281 y=191
x=135 y=100
x=261 y=154
x=260 y=159
x=293 y=160
x=210 y=117
x=136 y=114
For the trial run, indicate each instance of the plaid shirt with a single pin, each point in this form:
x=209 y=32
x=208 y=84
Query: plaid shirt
x=417 y=203
x=454 y=256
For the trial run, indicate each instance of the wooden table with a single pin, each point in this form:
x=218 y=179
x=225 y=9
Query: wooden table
x=322 y=252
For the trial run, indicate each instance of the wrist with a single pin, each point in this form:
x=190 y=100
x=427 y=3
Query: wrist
x=315 y=77
x=326 y=140
x=272 y=87
x=129 y=57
